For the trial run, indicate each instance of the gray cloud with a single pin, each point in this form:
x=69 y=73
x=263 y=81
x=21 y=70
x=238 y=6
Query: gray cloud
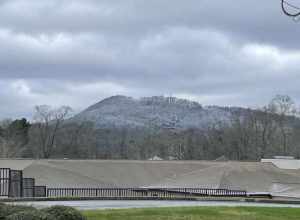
x=78 y=52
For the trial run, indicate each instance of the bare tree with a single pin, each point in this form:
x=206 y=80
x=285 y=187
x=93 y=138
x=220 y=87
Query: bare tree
x=48 y=121
x=77 y=140
x=283 y=106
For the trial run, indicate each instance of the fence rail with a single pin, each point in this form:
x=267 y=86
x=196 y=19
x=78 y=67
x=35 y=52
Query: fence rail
x=13 y=185
x=4 y=181
x=163 y=193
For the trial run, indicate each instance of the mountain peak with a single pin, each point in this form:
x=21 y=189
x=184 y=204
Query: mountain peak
x=155 y=111
x=110 y=100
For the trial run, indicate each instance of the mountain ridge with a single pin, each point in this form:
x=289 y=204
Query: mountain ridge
x=156 y=111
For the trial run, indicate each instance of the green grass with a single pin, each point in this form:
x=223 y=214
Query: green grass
x=201 y=213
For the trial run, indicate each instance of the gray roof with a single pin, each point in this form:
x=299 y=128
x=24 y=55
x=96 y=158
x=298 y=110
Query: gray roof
x=250 y=176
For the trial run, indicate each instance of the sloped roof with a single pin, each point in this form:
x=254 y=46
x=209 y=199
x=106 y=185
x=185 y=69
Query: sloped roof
x=250 y=176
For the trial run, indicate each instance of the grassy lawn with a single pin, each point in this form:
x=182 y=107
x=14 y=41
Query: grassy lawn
x=205 y=213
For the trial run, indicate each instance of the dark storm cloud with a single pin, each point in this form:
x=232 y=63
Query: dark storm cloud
x=77 y=52
x=253 y=20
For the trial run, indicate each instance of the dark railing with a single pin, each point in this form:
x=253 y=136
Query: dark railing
x=160 y=193
x=4 y=181
x=28 y=187
x=13 y=185
x=16 y=183
x=40 y=191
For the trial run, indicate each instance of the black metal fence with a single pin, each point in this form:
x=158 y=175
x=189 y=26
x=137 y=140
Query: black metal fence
x=158 y=193
x=13 y=185
x=28 y=187
x=16 y=183
x=4 y=181
x=40 y=191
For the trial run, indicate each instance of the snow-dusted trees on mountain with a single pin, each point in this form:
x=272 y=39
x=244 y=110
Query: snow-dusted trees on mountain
x=249 y=135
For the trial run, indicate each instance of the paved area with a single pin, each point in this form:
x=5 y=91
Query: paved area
x=98 y=205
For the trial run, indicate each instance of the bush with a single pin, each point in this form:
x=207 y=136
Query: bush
x=2 y=211
x=64 y=213
x=29 y=215
x=9 y=212
x=6 y=210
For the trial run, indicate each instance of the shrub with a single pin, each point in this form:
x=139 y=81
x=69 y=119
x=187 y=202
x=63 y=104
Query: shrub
x=64 y=213
x=2 y=211
x=6 y=210
x=29 y=215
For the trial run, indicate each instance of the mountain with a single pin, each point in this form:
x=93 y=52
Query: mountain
x=157 y=111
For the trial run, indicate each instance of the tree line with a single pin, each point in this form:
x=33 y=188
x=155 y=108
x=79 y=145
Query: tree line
x=250 y=135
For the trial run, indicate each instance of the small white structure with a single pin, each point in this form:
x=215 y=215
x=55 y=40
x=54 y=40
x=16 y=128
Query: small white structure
x=283 y=162
x=172 y=158
x=284 y=157
x=157 y=158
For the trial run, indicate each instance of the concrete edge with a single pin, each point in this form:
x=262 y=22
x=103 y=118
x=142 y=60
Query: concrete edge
x=7 y=200
x=278 y=200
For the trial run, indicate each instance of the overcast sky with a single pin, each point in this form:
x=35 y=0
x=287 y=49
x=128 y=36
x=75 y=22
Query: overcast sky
x=77 y=52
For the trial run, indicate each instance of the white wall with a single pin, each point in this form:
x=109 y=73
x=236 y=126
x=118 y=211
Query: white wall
x=283 y=163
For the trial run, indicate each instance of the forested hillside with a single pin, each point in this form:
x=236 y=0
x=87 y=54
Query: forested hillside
x=125 y=128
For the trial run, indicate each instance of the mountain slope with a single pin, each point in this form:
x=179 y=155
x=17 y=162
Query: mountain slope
x=157 y=111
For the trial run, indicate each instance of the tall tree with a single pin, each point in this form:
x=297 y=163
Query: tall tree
x=48 y=121
x=14 y=137
x=283 y=106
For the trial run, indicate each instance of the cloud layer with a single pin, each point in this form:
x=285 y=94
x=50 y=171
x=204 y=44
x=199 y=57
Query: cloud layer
x=76 y=52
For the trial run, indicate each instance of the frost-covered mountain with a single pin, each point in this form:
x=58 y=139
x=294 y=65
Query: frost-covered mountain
x=157 y=111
